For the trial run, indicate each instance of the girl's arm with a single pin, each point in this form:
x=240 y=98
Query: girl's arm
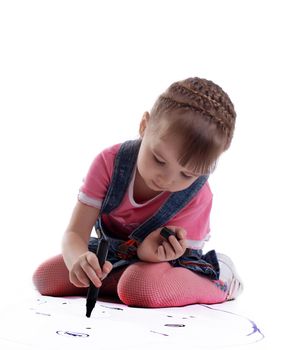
x=82 y=264
x=155 y=248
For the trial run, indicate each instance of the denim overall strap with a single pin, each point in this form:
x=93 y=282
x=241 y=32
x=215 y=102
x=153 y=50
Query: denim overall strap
x=122 y=252
x=124 y=164
x=123 y=168
x=175 y=202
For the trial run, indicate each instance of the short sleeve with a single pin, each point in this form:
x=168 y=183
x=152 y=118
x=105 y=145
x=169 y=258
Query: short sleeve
x=97 y=180
x=195 y=218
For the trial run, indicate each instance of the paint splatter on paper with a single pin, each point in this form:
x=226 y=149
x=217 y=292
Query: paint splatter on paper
x=61 y=322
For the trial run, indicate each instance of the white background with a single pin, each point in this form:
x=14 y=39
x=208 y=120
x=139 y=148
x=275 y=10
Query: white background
x=76 y=76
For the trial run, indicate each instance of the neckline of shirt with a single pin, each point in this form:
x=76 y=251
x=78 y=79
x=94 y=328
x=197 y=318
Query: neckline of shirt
x=131 y=193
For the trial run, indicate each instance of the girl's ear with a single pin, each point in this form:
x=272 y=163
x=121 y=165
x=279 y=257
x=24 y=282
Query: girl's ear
x=143 y=123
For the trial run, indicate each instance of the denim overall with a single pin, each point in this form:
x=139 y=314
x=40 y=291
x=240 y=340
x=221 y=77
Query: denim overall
x=124 y=252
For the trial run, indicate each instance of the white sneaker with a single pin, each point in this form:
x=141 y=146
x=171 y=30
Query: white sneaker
x=229 y=275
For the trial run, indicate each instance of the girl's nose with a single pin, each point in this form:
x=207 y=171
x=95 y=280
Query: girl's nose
x=165 y=179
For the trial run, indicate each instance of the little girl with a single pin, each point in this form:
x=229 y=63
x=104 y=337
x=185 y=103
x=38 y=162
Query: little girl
x=135 y=189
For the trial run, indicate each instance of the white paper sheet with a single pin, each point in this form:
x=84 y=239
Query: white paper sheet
x=58 y=323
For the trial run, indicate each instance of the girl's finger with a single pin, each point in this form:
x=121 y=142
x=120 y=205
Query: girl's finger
x=93 y=274
x=168 y=250
x=107 y=268
x=176 y=245
x=79 y=279
x=93 y=262
x=180 y=233
x=161 y=253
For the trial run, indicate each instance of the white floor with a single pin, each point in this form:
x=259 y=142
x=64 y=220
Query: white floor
x=32 y=321
x=76 y=77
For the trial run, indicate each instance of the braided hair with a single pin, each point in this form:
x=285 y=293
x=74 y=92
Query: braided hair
x=202 y=114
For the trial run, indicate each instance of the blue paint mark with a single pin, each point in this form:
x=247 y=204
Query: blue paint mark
x=73 y=334
x=255 y=329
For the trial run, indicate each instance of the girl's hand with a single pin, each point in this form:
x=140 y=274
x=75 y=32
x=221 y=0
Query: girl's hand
x=155 y=248
x=87 y=268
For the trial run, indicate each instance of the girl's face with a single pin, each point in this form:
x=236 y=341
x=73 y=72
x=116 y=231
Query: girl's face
x=157 y=162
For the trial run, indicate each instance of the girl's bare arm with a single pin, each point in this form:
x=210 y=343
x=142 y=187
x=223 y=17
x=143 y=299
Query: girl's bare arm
x=83 y=265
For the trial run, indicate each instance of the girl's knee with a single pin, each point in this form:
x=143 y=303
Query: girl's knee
x=52 y=278
x=161 y=285
x=142 y=285
x=137 y=284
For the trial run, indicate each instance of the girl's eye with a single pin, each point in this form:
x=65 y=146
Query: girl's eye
x=158 y=160
x=186 y=176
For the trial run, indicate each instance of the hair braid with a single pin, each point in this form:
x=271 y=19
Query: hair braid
x=202 y=96
x=209 y=121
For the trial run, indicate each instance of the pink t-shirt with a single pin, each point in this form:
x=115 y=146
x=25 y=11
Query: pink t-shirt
x=194 y=217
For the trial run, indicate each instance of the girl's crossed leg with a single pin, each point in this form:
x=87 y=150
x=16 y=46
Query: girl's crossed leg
x=140 y=284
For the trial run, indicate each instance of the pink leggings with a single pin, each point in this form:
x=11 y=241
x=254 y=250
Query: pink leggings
x=140 y=284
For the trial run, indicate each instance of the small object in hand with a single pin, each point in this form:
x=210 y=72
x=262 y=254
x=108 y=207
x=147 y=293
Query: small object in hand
x=166 y=232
